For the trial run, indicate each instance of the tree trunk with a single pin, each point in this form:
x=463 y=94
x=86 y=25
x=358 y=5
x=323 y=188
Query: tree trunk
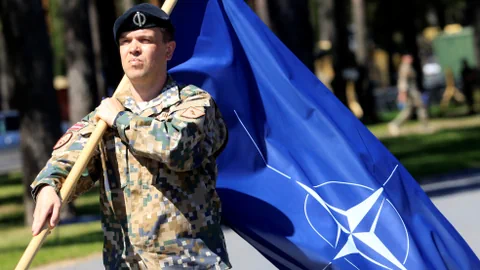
x=110 y=57
x=363 y=86
x=473 y=18
x=6 y=80
x=359 y=22
x=410 y=38
x=261 y=8
x=82 y=92
x=97 y=50
x=341 y=51
x=440 y=9
x=128 y=4
x=30 y=61
x=156 y=2
x=325 y=19
x=290 y=20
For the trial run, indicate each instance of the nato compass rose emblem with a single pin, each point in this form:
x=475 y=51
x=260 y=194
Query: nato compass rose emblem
x=357 y=225
x=360 y=224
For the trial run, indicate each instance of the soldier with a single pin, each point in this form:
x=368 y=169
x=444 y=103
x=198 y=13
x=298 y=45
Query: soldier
x=409 y=97
x=156 y=165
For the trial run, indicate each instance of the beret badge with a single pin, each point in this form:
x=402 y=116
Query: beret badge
x=139 y=19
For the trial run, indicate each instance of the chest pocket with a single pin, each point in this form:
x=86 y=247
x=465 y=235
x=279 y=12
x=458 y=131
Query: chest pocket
x=194 y=102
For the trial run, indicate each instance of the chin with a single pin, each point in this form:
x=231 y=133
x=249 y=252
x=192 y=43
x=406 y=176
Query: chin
x=135 y=75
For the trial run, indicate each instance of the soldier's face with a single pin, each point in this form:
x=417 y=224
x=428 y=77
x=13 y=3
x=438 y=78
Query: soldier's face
x=144 y=54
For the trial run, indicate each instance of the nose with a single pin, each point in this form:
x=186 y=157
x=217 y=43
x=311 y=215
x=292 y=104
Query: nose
x=134 y=48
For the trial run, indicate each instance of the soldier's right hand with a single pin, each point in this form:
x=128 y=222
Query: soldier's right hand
x=47 y=208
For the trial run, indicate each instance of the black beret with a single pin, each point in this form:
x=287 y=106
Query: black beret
x=140 y=17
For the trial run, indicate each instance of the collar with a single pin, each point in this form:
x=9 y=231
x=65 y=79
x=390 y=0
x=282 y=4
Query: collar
x=167 y=97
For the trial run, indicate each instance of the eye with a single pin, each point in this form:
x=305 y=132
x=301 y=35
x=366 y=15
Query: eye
x=146 y=40
x=123 y=41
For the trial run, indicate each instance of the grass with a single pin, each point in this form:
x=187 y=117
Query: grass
x=450 y=148
x=66 y=241
x=446 y=151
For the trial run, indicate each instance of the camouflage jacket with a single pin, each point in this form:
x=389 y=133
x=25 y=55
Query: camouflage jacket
x=407 y=78
x=157 y=174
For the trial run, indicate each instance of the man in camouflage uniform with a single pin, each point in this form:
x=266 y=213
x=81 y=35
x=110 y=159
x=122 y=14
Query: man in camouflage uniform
x=156 y=165
x=409 y=96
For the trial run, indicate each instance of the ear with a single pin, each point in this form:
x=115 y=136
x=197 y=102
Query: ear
x=170 y=49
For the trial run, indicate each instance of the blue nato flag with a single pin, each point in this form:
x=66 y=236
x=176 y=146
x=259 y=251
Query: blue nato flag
x=301 y=178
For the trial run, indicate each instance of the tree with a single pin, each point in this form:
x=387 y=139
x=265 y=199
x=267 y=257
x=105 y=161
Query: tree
x=473 y=17
x=325 y=19
x=80 y=58
x=111 y=67
x=128 y=4
x=359 y=22
x=341 y=52
x=261 y=8
x=30 y=62
x=6 y=82
x=290 y=20
x=363 y=85
x=409 y=30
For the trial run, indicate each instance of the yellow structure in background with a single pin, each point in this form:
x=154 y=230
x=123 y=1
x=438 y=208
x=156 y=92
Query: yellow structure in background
x=430 y=33
x=451 y=91
x=453 y=29
x=380 y=62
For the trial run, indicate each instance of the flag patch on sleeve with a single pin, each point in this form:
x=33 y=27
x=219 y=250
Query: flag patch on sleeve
x=63 y=140
x=77 y=126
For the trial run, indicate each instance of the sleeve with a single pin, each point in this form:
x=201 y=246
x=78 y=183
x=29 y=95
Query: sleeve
x=190 y=133
x=65 y=153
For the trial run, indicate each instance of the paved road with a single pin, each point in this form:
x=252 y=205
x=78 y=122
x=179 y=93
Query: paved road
x=457 y=199
x=462 y=211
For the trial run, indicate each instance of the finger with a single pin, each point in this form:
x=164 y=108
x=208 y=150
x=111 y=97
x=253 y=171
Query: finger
x=38 y=221
x=43 y=218
x=35 y=225
x=55 y=215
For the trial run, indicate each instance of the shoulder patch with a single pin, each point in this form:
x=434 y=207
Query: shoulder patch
x=63 y=140
x=193 y=113
x=78 y=126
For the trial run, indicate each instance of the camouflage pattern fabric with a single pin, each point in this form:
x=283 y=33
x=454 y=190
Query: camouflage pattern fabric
x=157 y=174
x=407 y=78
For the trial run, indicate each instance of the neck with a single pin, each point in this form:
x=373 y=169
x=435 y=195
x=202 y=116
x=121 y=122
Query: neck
x=146 y=91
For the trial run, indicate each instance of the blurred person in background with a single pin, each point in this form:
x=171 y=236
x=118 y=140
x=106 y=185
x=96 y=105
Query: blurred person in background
x=409 y=97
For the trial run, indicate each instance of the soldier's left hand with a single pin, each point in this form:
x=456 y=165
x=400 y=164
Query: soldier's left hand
x=108 y=110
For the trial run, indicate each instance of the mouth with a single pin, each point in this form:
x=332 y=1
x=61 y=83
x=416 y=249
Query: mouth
x=135 y=62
